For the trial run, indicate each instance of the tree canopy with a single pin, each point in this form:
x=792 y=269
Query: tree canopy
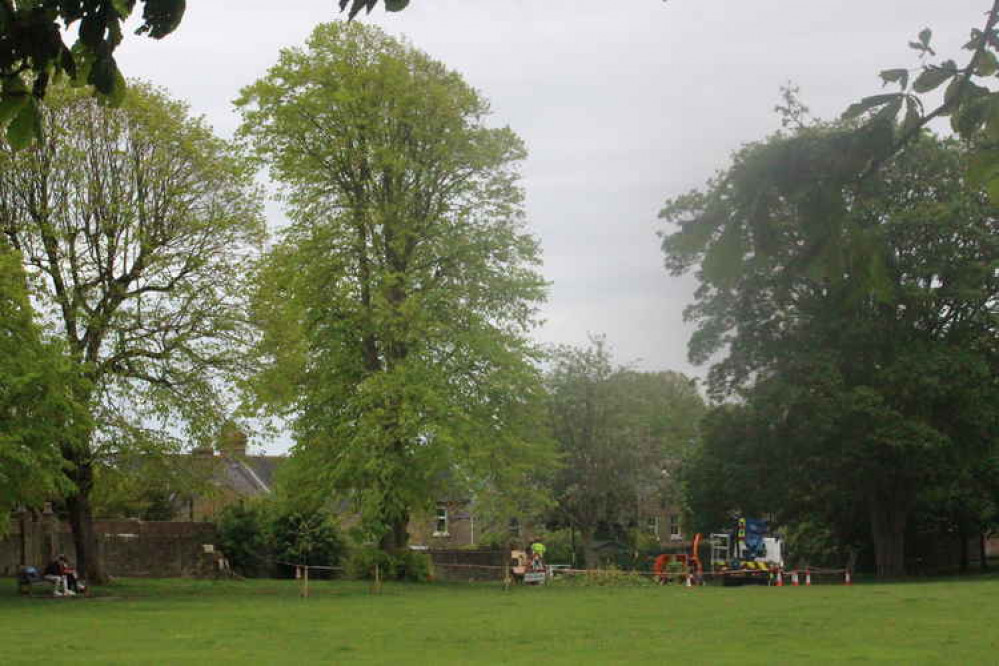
x=622 y=435
x=857 y=322
x=397 y=305
x=37 y=402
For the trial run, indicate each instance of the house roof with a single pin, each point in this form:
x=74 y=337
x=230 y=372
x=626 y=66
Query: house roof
x=250 y=476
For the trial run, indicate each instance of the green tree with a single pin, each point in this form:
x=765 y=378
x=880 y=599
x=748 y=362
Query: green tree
x=140 y=227
x=858 y=320
x=36 y=397
x=397 y=305
x=622 y=435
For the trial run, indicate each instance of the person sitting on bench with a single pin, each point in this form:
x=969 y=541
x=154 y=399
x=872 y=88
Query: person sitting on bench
x=55 y=571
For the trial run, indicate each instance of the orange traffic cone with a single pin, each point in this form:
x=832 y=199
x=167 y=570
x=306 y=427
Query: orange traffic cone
x=808 y=577
x=794 y=579
x=780 y=579
x=847 y=580
x=687 y=583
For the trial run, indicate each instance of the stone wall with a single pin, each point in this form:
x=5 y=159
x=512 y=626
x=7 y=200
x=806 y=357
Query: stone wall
x=127 y=547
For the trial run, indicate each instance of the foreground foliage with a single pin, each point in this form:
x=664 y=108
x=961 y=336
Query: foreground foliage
x=32 y=50
x=178 y=621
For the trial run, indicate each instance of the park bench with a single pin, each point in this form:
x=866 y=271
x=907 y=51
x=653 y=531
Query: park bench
x=28 y=578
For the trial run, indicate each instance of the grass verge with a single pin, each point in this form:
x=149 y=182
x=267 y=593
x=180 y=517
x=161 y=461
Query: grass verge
x=266 y=622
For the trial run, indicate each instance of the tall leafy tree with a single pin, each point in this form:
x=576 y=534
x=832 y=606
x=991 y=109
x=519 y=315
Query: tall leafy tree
x=397 y=305
x=622 y=435
x=139 y=225
x=857 y=321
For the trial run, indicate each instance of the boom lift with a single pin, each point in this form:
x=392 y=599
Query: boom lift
x=746 y=556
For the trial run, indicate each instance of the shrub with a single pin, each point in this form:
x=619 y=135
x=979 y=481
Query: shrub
x=306 y=538
x=243 y=537
x=407 y=565
x=413 y=566
x=255 y=536
x=610 y=577
x=362 y=560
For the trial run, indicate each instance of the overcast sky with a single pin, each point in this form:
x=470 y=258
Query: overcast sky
x=622 y=103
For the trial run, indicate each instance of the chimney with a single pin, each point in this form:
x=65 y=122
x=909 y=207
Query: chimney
x=202 y=451
x=233 y=441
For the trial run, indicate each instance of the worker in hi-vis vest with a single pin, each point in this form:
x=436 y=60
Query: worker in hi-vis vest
x=537 y=554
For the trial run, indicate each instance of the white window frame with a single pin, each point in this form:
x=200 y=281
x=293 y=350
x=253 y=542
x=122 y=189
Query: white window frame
x=442 y=518
x=675 y=532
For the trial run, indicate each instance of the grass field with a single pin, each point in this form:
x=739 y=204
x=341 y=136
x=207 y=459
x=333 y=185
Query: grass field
x=265 y=622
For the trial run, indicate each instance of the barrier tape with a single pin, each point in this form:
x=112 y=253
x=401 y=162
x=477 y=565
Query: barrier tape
x=802 y=573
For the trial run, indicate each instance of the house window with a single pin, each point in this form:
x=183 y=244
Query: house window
x=440 y=524
x=674 y=526
x=653 y=525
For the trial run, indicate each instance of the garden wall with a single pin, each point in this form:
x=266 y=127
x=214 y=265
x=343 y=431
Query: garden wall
x=127 y=547
x=469 y=565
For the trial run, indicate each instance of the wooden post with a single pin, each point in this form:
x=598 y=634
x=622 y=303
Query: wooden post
x=305 y=579
x=378 y=579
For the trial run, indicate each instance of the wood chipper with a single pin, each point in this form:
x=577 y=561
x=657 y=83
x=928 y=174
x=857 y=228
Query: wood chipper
x=678 y=567
x=526 y=569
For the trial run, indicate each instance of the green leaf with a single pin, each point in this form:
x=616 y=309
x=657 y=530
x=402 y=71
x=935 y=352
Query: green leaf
x=983 y=166
x=11 y=105
x=161 y=17
x=123 y=7
x=992 y=189
x=26 y=126
x=723 y=260
x=890 y=110
x=395 y=5
x=969 y=118
x=859 y=108
x=988 y=64
x=108 y=80
x=975 y=41
x=83 y=56
x=357 y=6
x=951 y=94
x=900 y=76
x=912 y=114
x=992 y=118
x=931 y=78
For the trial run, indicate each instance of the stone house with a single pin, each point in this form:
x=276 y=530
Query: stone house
x=232 y=476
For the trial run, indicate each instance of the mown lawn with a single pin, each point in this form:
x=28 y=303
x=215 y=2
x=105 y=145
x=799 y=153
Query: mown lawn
x=265 y=622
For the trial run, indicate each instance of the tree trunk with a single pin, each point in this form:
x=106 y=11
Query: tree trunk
x=888 y=529
x=81 y=521
x=965 y=555
x=983 y=553
x=397 y=537
x=590 y=557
